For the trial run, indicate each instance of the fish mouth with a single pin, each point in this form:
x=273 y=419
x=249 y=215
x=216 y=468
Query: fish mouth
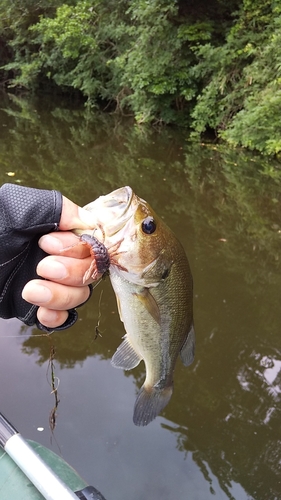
x=112 y=211
x=119 y=199
x=122 y=207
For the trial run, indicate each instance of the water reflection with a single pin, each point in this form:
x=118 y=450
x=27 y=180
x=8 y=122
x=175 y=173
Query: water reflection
x=224 y=205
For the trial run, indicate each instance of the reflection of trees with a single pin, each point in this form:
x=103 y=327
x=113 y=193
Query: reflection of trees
x=80 y=342
x=226 y=408
x=227 y=414
x=211 y=193
x=238 y=438
x=235 y=201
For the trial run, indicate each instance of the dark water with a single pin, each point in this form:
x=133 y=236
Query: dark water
x=220 y=435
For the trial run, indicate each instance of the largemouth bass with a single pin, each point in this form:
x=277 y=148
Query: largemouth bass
x=151 y=278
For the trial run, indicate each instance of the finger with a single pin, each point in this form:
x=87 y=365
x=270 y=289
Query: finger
x=65 y=270
x=51 y=318
x=64 y=243
x=54 y=295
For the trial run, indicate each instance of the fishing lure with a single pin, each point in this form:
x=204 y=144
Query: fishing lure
x=100 y=257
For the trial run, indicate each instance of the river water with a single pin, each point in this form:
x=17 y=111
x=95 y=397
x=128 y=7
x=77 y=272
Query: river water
x=220 y=435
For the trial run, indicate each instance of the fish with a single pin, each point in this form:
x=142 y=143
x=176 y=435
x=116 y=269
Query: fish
x=151 y=277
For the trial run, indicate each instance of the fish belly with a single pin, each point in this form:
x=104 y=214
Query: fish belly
x=145 y=340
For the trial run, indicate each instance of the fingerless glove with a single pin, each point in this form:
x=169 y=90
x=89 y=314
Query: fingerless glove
x=25 y=215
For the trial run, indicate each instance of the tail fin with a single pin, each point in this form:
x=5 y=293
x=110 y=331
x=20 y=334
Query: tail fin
x=150 y=401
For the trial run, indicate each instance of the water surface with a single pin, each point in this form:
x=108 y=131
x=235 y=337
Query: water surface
x=220 y=435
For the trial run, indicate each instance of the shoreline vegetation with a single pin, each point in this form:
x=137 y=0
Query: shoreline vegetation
x=212 y=68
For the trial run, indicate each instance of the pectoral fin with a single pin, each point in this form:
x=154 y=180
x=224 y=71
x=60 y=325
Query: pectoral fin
x=125 y=357
x=188 y=349
x=119 y=306
x=149 y=302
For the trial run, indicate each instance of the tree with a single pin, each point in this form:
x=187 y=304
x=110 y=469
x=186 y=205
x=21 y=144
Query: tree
x=213 y=66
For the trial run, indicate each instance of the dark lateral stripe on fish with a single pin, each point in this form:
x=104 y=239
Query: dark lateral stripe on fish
x=150 y=403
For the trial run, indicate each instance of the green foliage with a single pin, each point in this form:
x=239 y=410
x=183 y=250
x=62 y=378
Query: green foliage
x=156 y=64
x=241 y=97
x=64 y=41
x=206 y=66
x=258 y=125
x=134 y=53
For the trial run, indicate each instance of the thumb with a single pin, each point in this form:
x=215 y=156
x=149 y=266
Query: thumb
x=73 y=216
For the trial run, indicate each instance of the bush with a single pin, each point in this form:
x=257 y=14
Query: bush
x=205 y=65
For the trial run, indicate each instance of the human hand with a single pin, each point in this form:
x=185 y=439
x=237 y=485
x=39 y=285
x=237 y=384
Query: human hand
x=62 y=288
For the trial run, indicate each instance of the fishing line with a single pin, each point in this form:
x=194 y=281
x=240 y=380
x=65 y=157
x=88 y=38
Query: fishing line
x=97 y=330
x=25 y=336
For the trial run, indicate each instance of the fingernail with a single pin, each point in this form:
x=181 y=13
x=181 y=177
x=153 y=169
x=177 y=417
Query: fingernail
x=52 y=270
x=37 y=294
x=51 y=243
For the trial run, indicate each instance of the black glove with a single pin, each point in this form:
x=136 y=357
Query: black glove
x=25 y=215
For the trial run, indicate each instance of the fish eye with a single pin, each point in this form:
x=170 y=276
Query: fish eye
x=148 y=225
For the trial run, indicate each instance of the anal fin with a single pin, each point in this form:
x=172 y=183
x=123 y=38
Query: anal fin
x=125 y=356
x=188 y=349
